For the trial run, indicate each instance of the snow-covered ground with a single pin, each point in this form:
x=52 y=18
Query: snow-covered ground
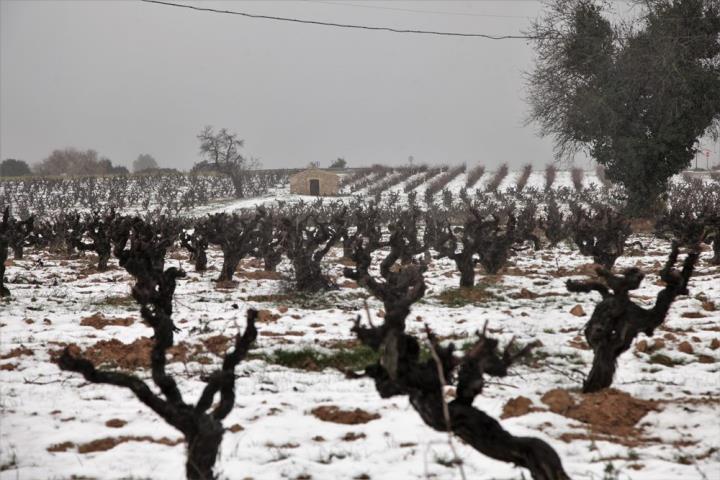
x=48 y=418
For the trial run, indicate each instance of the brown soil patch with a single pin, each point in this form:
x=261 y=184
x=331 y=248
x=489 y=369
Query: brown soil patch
x=352 y=436
x=526 y=294
x=92 y=269
x=115 y=423
x=235 y=428
x=267 y=316
x=217 y=344
x=16 y=352
x=558 y=400
x=226 y=285
x=709 y=306
x=260 y=275
x=127 y=356
x=463 y=295
x=516 y=407
x=178 y=255
x=107 y=443
x=579 y=343
x=8 y=366
x=61 y=447
x=99 y=321
x=345 y=261
x=332 y=413
x=513 y=271
x=589 y=269
x=685 y=347
x=609 y=413
x=702 y=358
x=642 y=225
x=254 y=263
x=692 y=315
x=578 y=311
x=289 y=333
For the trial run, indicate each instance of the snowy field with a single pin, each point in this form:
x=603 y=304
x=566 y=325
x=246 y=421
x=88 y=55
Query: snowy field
x=661 y=422
x=282 y=194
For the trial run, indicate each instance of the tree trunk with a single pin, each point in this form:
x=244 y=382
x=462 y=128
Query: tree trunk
x=466 y=266
x=200 y=260
x=231 y=260
x=202 y=449
x=103 y=259
x=642 y=202
x=4 y=292
x=271 y=261
x=238 y=181
x=308 y=275
x=602 y=371
x=347 y=246
x=18 y=252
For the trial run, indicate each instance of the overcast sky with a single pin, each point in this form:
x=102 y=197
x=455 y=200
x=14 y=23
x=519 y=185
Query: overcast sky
x=125 y=77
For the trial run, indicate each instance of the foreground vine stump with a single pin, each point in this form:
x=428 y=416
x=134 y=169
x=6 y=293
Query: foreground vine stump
x=4 y=244
x=308 y=233
x=201 y=424
x=400 y=371
x=616 y=320
x=13 y=233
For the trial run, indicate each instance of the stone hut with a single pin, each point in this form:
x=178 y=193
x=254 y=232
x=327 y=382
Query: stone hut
x=315 y=182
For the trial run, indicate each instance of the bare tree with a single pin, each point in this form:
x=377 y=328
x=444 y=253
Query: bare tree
x=599 y=231
x=308 y=234
x=401 y=371
x=201 y=424
x=4 y=243
x=223 y=150
x=550 y=175
x=235 y=234
x=616 y=320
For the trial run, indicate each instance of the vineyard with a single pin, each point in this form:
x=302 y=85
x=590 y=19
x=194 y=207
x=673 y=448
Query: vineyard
x=429 y=322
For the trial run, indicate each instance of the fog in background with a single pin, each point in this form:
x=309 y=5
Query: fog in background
x=125 y=77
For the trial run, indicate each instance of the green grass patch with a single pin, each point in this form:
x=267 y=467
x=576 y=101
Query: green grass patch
x=355 y=358
x=661 y=359
x=315 y=360
x=313 y=301
x=459 y=297
x=117 y=301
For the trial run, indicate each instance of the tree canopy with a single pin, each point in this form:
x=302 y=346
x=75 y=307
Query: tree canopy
x=222 y=148
x=71 y=161
x=14 y=168
x=634 y=95
x=144 y=161
x=339 y=163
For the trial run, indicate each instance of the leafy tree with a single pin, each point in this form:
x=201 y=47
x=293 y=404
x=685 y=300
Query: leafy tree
x=144 y=161
x=634 y=95
x=71 y=161
x=14 y=168
x=223 y=150
x=339 y=163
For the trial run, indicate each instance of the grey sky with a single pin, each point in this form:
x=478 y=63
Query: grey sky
x=124 y=78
